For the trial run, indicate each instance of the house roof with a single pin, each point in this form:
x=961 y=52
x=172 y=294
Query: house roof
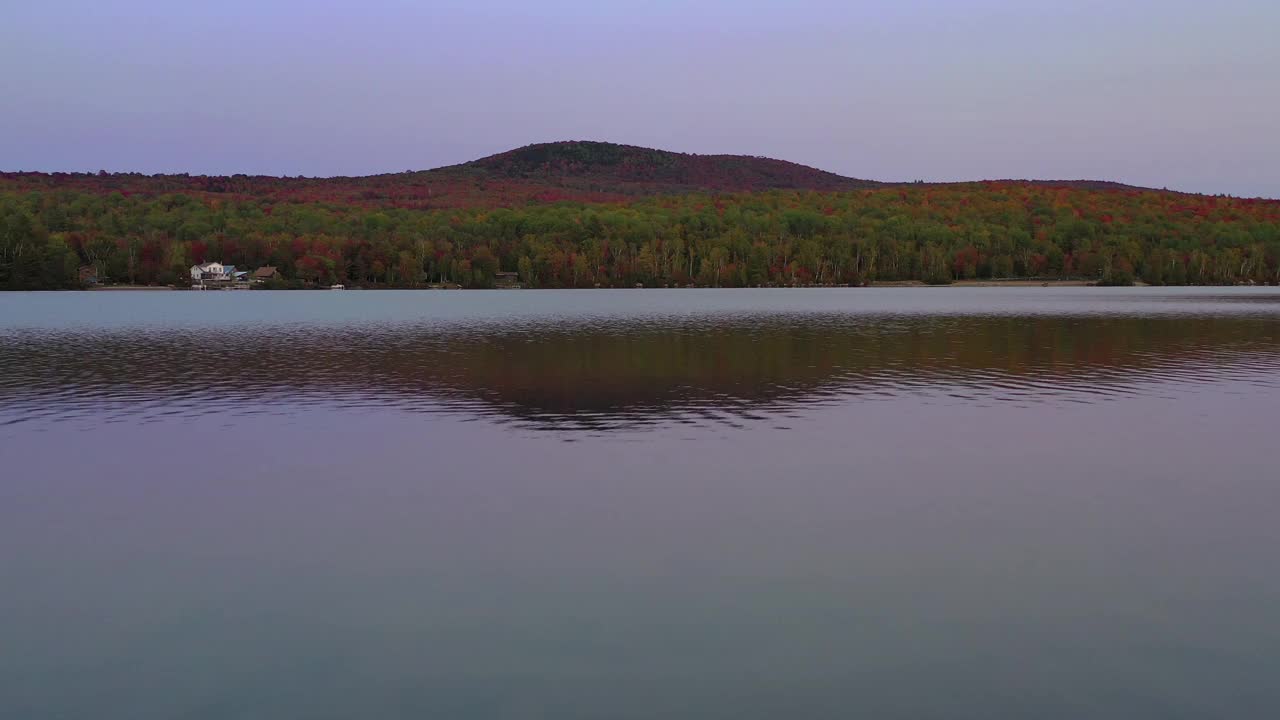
x=265 y=271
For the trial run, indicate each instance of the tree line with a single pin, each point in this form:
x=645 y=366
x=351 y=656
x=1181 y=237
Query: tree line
x=935 y=234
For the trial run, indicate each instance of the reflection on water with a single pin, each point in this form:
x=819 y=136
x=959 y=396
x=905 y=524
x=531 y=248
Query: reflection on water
x=591 y=374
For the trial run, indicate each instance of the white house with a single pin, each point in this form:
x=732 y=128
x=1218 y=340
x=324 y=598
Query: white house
x=209 y=271
x=217 y=272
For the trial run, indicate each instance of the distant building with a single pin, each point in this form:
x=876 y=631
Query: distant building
x=506 y=280
x=216 y=274
x=265 y=273
x=209 y=271
x=88 y=275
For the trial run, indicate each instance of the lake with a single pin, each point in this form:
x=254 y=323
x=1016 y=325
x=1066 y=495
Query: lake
x=890 y=503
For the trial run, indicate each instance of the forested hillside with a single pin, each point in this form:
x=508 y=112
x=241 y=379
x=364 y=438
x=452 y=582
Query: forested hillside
x=631 y=170
x=548 y=172
x=586 y=214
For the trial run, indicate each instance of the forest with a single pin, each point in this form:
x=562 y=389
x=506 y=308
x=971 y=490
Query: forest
x=561 y=226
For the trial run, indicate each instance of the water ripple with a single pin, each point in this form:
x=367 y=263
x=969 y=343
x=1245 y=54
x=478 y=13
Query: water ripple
x=598 y=374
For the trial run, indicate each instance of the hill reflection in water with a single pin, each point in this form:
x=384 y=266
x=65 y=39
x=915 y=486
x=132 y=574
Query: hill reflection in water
x=603 y=374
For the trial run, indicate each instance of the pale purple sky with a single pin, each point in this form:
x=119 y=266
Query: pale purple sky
x=1154 y=92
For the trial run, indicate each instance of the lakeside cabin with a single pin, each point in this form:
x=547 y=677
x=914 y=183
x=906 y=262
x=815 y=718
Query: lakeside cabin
x=265 y=273
x=506 y=280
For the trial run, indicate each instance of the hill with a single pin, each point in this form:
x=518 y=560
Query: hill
x=627 y=168
x=543 y=173
x=570 y=171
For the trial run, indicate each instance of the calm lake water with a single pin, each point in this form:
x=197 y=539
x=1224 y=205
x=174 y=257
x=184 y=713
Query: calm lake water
x=888 y=503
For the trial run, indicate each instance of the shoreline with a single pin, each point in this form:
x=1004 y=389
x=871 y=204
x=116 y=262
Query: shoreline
x=872 y=285
x=992 y=283
x=128 y=288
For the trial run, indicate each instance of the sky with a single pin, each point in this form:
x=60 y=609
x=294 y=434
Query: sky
x=1167 y=93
